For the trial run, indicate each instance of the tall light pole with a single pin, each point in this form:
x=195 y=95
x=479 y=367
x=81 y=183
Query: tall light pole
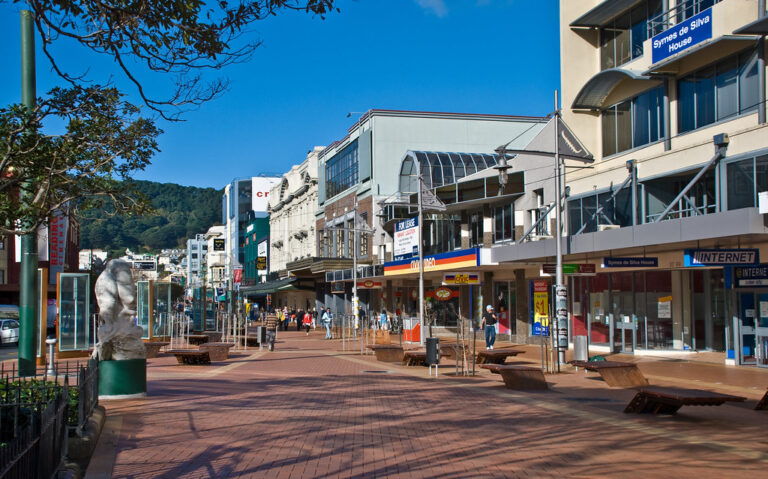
x=561 y=292
x=421 y=262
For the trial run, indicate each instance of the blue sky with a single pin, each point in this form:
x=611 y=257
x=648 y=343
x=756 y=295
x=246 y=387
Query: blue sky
x=469 y=56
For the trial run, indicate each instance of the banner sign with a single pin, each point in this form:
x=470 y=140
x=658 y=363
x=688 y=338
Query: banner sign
x=682 y=36
x=540 y=308
x=145 y=265
x=648 y=262
x=465 y=258
x=260 y=187
x=746 y=276
x=238 y=275
x=569 y=268
x=406 y=244
x=57 y=242
x=466 y=279
x=261 y=263
x=369 y=284
x=219 y=244
x=721 y=257
x=442 y=294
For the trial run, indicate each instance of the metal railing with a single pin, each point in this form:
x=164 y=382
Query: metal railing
x=677 y=14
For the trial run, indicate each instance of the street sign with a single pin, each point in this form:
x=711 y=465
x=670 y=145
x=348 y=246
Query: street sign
x=570 y=268
x=682 y=36
x=645 y=262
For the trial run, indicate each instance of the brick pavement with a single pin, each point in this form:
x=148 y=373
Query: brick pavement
x=308 y=410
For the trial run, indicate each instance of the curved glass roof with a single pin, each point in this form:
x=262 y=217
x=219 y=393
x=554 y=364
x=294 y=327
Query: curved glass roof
x=440 y=168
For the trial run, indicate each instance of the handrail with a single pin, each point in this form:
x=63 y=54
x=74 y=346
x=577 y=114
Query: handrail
x=675 y=15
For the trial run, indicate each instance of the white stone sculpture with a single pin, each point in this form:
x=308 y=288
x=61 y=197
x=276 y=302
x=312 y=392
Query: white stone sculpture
x=119 y=335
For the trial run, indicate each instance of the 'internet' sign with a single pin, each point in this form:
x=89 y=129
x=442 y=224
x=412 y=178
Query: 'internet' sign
x=682 y=36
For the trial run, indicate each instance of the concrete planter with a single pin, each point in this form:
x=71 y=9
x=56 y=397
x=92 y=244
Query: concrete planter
x=122 y=379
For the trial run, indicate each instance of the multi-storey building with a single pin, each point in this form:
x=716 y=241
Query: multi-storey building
x=670 y=98
x=197 y=249
x=215 y=258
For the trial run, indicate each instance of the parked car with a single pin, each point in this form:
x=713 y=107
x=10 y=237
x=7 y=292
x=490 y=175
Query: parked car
x=9 y=324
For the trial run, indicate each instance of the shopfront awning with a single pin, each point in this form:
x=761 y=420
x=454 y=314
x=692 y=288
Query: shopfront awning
x=758 y=27
x=593 y=94
x=720 y=47
x=603 y=13
x=270 y=287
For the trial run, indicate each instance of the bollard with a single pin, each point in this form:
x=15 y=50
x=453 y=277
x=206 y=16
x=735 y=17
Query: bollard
x=50 y=342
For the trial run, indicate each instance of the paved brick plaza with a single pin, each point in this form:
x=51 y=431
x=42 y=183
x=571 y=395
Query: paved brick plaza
x=310 y=410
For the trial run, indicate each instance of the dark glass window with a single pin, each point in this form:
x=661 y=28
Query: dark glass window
x=746 y=178
x=622 y=39
x=718 y=92
x=504 y=223
x=341 y=171
x=634 y=122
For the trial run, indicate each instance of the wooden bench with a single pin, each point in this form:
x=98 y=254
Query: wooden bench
x=191 y=356
x=213 y=336
x=615 y=373
x=414 y=358
x=250 y=340
x=519 y=377
x=153 y=348
x=388 y=353
x=496 y=356
x=662 y=400
x=763 y=403
x=217 y=351
x=197 y=339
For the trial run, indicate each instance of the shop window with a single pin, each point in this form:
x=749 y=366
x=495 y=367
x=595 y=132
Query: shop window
x=634 y=122
x=622 y=39
x=504 y=223
x=341 y=171
x=719 y=92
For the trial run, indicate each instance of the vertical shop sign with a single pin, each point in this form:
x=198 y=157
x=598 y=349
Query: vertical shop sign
x=540 y=308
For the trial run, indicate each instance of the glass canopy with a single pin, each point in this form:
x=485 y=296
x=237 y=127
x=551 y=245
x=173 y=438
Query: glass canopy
x=438 y=168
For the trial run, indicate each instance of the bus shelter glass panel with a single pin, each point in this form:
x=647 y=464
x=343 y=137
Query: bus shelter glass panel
x=142 y=307
x=210 y=311
x=197 y=309
x=161 y=309
x=74 y=311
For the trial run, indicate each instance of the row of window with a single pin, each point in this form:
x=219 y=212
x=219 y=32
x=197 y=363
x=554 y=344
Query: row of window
x=622 y=39
x=718 y=92
x=341 y=171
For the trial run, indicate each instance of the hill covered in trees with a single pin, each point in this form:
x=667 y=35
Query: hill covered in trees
x=181 y=212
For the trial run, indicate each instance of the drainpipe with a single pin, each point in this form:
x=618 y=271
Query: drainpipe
x=667 y=118
x=761 y=68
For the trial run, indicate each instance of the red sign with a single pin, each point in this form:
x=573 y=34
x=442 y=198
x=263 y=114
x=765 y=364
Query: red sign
x=540 y=286
x=369 y=284
x=444 y=294
x=238 y=273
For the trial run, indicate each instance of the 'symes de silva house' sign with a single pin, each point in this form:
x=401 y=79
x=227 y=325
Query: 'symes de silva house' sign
x=682 y=36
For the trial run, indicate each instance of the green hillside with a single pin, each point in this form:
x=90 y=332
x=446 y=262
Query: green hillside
x=181 y=212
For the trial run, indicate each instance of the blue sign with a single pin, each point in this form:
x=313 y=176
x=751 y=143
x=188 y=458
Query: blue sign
x=682 y=36
x=747 y=276
x=407 y=224
x=649 y=262
x=721 y=257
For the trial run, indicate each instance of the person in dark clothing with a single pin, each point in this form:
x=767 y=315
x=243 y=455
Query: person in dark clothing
x=299 y=320
x=489 y=321
x=271 y=325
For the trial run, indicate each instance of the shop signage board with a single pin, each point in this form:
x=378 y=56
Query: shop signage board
x=540 y=307
x=665 y=307
x=443 y=294
x=645 y=262
x=219 y=244
x=721 y=257
x=682 y=36
x=466 y=258
x=571 y=269
x=406 y=241
x=369 y=284
x=746 y=276
x=464 y=279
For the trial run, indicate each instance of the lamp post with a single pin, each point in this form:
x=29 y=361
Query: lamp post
x=561 y=292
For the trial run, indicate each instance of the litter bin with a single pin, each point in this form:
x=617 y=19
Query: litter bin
x=433 y=351
x=580 y=352
x=261 y=334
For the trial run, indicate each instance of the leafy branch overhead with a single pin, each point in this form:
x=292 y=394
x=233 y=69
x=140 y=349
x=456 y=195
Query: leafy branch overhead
x=177 y=38
x=101 y=141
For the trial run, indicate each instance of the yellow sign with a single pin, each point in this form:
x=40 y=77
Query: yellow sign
x=461 y=278
x=541 y=308
x=665 y=299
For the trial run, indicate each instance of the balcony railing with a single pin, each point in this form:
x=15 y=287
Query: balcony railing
x=679 y=13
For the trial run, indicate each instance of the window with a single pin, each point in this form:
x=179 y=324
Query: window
x=351 y=233
x=2 y=244
x=341 y=171
x=634 y=122
x=364 y=236
x=746 y=178
x=476 y=229
x=2 y=276
x=724 y=90
x=622 y=39
x=504 y=223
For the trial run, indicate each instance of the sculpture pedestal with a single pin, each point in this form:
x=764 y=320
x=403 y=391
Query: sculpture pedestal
x=122 y=379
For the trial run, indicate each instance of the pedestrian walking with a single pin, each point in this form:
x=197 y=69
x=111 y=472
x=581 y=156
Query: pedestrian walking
x=383 y=320
x=272 y=322
x=489 y=321
x=299 y=320
x=327 y=319
x=307 y=321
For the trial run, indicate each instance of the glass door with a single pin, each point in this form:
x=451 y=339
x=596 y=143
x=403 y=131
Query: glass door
x=746 y=324
x=761 y=331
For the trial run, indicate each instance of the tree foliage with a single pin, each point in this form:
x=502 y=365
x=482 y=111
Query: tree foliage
x=102 y=141
x=179 y=212
x=166 y=37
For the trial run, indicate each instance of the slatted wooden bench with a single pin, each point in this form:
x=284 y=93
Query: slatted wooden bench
x=762 y=404
x=414 y=358
x=663 y=400
x=197 y=339
x=217 y=351
x=153 y=348
x=191 y=356
x=496 y=356
x=388 y=353
x=615 y=373
x=518 y=376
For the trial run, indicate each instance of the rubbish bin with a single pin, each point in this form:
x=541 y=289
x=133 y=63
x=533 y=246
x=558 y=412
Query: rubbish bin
x=261 y=334
x=433 y=351
x=580 y=352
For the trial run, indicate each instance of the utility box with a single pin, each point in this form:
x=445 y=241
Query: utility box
x=433 y=351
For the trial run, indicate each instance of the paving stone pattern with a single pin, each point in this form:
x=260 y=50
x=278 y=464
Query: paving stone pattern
x=308 y=410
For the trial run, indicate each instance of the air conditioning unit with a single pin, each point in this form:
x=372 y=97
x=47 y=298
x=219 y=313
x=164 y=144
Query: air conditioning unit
x=607 y=227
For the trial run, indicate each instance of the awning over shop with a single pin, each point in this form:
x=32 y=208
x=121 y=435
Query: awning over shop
x=718 y=48
x=270 y=287
x=758 y=27
x=604 y=12
x=593 y=94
